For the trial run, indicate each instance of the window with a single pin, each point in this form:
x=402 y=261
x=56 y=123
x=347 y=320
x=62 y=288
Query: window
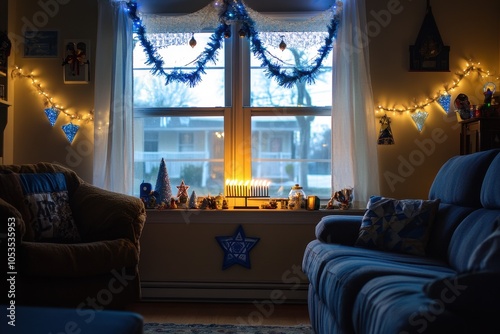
x=236 y=124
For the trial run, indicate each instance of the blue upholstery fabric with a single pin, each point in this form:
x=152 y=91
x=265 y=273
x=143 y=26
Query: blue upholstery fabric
x=359 y=290
x=447 y=220
x=486 y=256
x=469 y=235
x=65 y=320
x=397 y=304
x=339 y=229
x=337 y=273
x=460 y=179
x=490 y=193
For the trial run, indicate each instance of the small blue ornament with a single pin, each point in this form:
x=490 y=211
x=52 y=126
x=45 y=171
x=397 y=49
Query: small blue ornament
x=70 y=131
x=52 y=114
x=444 y=101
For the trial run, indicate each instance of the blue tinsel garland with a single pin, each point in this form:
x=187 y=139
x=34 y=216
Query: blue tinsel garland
x=232 y=11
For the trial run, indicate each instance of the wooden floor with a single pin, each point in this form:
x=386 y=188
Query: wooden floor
x=223 y=313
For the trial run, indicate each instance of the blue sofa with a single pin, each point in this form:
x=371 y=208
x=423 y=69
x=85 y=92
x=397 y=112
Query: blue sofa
x=452 y=287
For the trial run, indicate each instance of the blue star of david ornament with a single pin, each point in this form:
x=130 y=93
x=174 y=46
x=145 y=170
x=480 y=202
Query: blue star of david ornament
x=237 y=248
x=70 y=131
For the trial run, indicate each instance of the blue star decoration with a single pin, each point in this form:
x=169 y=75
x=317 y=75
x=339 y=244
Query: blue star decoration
x=237 y=248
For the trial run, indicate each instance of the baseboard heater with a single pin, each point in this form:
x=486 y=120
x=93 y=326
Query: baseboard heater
x=224 y=292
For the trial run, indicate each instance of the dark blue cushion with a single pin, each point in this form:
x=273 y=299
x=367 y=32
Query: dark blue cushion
x=47 y=199
x=486 y=256
x=61 y=320
x=469 y=235
x=490 y=193
x=337 y=273
x=398 y=304
x=460 y=179
x=467 y=293
x=448 y=217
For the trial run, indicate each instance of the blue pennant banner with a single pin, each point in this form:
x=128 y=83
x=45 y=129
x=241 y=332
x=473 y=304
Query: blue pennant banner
x=445 y=101
x=70 y=131
x=52 y=114
x=419 y=118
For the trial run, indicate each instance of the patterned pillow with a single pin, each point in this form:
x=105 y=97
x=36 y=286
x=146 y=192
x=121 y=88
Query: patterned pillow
x=46 y=197
x=397 y=225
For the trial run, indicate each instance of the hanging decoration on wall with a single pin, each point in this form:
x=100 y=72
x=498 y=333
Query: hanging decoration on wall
x=70 y=131
x=76 y=63
x=419 y=118
x=52 y=114
x=237 y=248
x=385 y=136
x=442 y=97
x=230 y=12
x=429 y=52
x=444 y=101
x=52 y=110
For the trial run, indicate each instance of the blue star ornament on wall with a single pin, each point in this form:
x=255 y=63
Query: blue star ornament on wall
x=237 y=248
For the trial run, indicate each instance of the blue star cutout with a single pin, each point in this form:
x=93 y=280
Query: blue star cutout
x=237 y=248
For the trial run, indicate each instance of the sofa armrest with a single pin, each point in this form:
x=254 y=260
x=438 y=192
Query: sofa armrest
x=341 y=229
x=104 y=215
x=9 y=215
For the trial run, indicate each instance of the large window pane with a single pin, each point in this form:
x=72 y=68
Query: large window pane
x=293 y=149
x=265 y=91
x=150 y=90
x=193 y=149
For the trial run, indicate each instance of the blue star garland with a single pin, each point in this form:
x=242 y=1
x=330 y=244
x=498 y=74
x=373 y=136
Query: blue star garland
x=232 y=11
x=237 y=248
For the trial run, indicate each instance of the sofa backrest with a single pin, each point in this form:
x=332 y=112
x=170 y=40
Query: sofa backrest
x=480 y=224
x=458 y=185
x=72 y=179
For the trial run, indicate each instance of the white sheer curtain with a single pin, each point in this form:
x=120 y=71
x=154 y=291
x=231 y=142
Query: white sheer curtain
x=113 y=140
x=354 y=155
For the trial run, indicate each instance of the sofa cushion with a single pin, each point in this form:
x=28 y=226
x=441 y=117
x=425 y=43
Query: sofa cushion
x=398 y=304
x=490 y=191
x=460 y=179
x=76 y=260
x=338 y=272
x=486 y=256
x=469 y=235
x=467 y=293
x=47 y=200
x=397 y=225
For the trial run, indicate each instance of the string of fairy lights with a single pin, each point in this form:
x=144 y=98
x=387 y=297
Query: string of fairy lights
x=416 y=109
x=52 y=109
x=441 y=96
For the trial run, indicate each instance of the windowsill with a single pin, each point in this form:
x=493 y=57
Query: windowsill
x=240 y=216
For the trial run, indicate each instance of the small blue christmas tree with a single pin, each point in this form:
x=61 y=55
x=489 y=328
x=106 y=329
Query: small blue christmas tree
x=163 y=184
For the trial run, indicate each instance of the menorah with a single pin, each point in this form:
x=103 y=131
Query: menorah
x=247 y=189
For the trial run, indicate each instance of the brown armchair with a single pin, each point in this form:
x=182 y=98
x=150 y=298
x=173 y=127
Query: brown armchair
x=99 y=270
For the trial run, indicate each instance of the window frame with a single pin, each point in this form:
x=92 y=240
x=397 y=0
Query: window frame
x=237 y=112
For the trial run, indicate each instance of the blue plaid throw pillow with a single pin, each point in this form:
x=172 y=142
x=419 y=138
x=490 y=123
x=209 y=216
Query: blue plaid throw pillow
x=397 y=225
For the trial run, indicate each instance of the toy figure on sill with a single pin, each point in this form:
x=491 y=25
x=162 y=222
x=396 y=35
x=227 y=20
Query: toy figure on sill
x=182 y=194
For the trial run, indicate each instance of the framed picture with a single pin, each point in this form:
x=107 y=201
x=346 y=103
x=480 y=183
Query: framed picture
x=76 y=62
x=41 y=44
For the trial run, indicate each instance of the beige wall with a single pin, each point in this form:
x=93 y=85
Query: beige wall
x=33 y=138
x=470 y=29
